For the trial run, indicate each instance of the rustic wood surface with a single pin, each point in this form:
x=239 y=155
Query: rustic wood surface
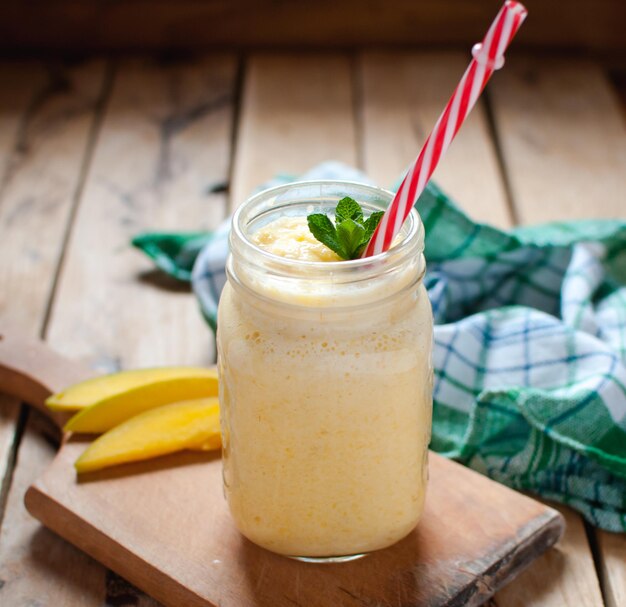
x=163 y=149
x=93 y=153
x=295 y=112
x=613 y=567
x=42 y=174
x=401 y=96
x=562 y=139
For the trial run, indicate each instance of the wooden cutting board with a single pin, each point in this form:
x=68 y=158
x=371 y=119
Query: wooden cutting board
x=164 y=525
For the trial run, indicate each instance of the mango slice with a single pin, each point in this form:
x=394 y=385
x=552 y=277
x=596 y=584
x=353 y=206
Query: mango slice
x=89 y=392
x=193 y=424
x=113 y=399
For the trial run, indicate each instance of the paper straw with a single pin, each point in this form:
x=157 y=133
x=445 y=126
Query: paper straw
x=488 y=56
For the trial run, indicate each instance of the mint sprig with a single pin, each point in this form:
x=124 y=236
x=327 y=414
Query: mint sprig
x=350 y=233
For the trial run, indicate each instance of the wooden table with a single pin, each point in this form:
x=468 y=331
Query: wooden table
x=92 y=153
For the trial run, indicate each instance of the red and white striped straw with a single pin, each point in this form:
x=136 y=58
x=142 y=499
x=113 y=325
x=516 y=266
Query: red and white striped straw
x=488 y=57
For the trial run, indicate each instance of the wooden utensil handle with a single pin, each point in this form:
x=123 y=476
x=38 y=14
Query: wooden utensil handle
x=31 y=371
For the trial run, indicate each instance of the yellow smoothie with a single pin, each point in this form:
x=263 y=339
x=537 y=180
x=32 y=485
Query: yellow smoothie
x=326 y=402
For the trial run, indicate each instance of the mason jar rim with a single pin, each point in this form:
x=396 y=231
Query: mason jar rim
x=408 y=244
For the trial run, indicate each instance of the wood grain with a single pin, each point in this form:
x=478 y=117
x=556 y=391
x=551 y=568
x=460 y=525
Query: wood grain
x=19 y=356
x=162 y=24
x=562 y=576
x=9 y=416
x=36 y=566
x=612 y=548
x=59 y=106
x=163 y=151
x=21 y=80
x=562 y=138
x=39 y=188
x=296 y=111
x=564 y=150
x=402 y=97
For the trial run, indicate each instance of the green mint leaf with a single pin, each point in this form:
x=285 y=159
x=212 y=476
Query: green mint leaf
x=350 y=236
x=370 y=225
x=323 y=229
x=348 y=208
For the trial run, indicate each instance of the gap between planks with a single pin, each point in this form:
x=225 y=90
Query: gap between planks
x=92 y=139
x=40 y=189
x=25 y=79
x=44 y=110
x=296 y=111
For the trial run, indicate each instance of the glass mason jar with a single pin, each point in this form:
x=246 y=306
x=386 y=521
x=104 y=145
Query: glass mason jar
x=325 y=384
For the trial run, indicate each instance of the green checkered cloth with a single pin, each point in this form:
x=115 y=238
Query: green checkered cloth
x=530 y=346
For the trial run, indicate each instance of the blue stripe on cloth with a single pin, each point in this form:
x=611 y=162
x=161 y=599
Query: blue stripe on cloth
x=566 y=360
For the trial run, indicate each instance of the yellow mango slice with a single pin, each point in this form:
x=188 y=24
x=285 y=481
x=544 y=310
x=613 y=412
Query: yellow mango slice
x=193 y=424
x=89 y=392
x=110 y=404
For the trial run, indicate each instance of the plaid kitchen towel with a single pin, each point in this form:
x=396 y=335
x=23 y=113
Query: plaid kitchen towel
x=530 y=345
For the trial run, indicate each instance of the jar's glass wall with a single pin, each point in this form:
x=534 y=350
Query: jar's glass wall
x=326 y=382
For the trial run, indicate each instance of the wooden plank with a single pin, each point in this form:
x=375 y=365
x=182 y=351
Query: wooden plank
x=612 y=549
x=164 y=148
x=35 y=563
x=102 y=24
x=47 y=146
x=21 y=80
x=38 y=190
x=563 y=576
x=562 y=139
x=45 y=117
x=297 y=111
x=563 y=145
x=9 y=416
x=403 y=95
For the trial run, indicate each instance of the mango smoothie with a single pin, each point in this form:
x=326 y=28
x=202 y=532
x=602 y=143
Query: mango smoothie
x=326 y=381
